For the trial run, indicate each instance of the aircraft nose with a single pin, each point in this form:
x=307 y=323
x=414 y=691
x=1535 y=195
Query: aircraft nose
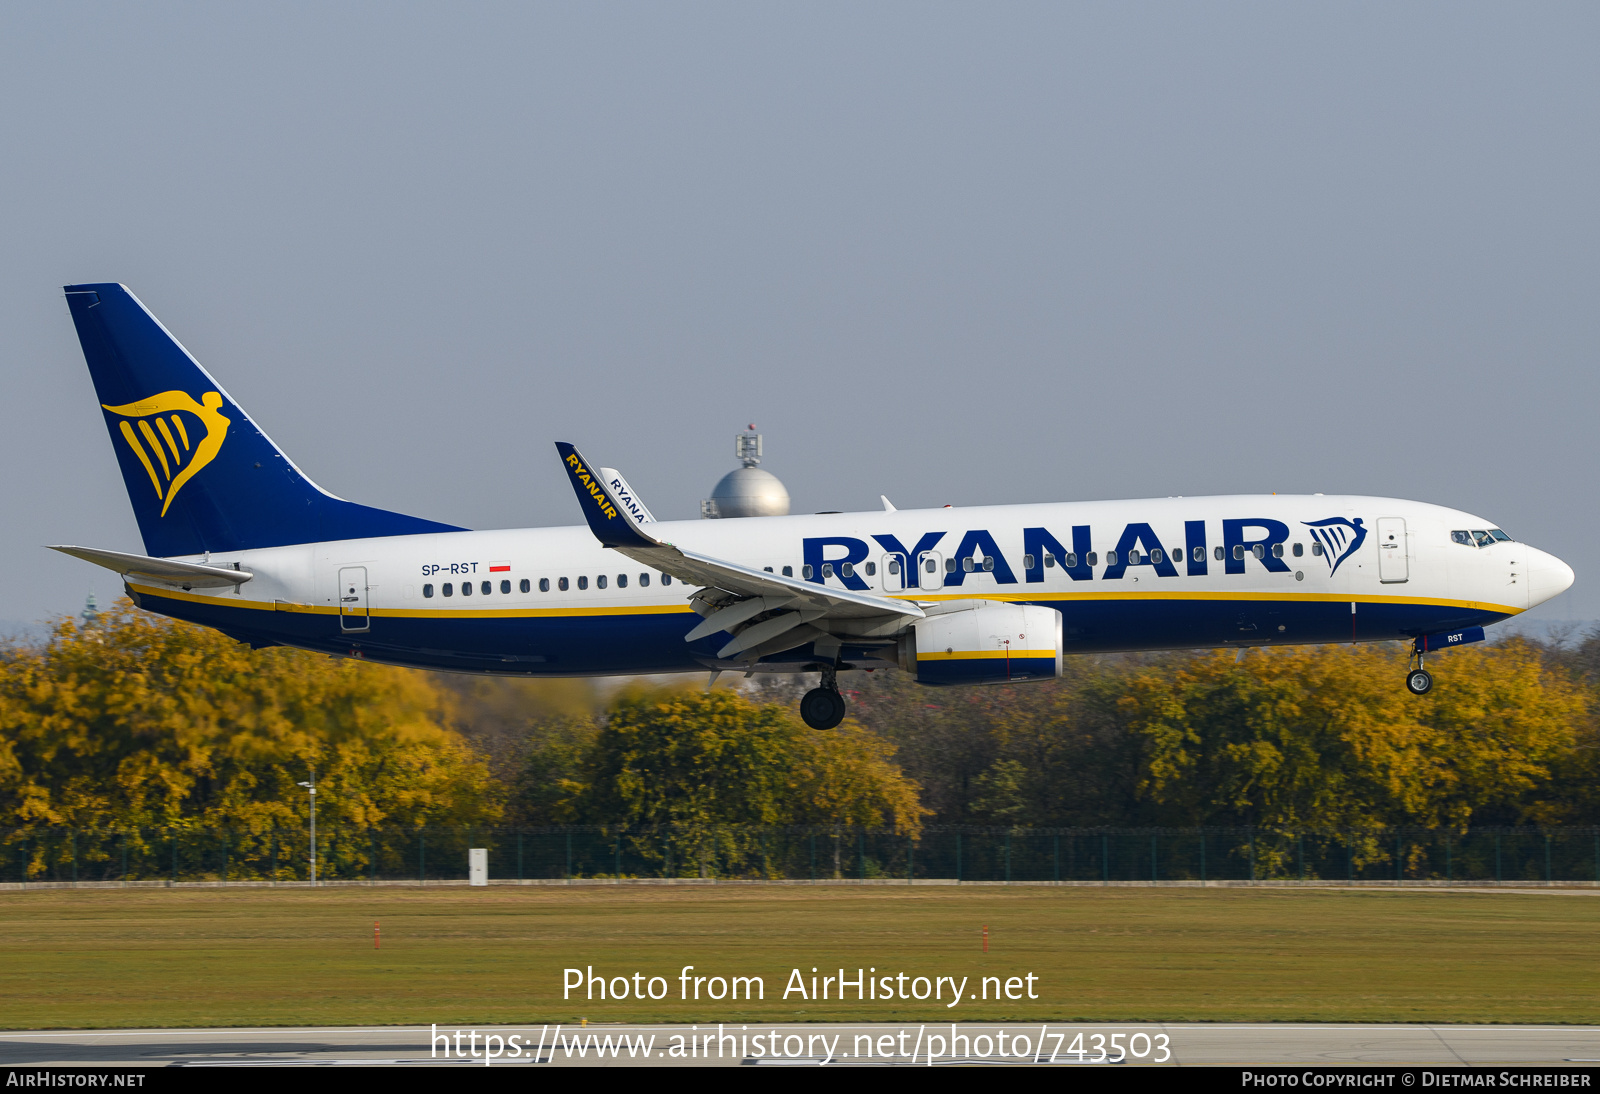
x=1548 y=576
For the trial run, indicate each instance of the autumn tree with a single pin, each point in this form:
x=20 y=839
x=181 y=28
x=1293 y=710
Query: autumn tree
x=136 y=721
x=699 y=769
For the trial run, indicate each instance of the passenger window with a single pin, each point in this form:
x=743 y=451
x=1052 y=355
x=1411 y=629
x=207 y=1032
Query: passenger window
x=1259 y=551
x=1238 y=552
x=805 y=572
x=767 y=568
x=466 y=588
x=1133 y=558
x=1157 y=557
x=599 y=582
x=1027 y=562
x=1094 y=558
x=427 y=592
x=966 y=565
x=1219 y=555
x=929 y=565
x=666 y=579
x=448 y=589
x=827 y=569
x=622 y=581
x=1462 y=537
x=788 y=571
x=1200 y=554
x=1277 y=550
x=1111 y=558
x=1049 y=560
x=583 y=582
x=988 y=563
x=562 y=584
x=1316 y=549
x=524 y=586
x=949 y=565
x=1299 y=549
x=846 y=570
x=486 y=588
x=1072 y=560
x=894 y=566
x=505 y=586
x=644 y=581
x=872 y=569
x=544 y=584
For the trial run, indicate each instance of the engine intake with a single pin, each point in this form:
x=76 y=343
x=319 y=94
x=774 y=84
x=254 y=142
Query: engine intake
x=983 y=642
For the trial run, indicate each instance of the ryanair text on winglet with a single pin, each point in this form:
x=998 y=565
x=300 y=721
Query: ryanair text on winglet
x=581 y=473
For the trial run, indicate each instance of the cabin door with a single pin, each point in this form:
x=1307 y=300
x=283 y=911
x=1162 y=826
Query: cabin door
x=1393 y=567
x=353 y=599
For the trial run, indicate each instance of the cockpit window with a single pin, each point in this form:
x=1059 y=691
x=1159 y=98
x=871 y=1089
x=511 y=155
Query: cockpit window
x=1480 y=537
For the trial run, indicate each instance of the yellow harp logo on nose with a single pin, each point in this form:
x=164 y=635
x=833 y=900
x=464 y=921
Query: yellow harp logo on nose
x=171 y=442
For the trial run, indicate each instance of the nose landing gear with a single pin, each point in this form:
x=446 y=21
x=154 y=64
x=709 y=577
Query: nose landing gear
x=1418 y=680
x=823 y=707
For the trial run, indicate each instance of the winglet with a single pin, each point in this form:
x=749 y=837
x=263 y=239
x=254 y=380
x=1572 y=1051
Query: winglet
x=608 y=519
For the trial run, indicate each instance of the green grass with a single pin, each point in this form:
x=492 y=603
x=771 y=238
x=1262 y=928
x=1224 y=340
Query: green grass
x=117 y=958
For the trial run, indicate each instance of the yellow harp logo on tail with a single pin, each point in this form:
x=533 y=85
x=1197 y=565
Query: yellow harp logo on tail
x=172 y=432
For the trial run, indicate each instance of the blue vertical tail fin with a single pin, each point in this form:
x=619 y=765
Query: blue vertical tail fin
x=200 y=474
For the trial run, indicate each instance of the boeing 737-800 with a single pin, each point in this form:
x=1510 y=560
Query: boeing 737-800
x=236 y=537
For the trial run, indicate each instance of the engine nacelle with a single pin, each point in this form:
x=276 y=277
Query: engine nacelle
x=983 y=642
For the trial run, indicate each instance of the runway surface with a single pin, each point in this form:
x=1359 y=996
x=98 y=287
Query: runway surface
x=812 y=1044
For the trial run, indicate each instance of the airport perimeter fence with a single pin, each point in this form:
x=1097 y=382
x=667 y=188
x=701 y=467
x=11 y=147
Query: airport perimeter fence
x=193 y=854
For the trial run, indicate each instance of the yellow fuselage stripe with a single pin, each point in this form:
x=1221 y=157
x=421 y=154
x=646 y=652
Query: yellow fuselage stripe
x=983 y=655
x=230 y=601
x=1306 y=598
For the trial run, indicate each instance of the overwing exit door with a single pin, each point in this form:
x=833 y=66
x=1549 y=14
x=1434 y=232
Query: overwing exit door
x=353 y=599
x=894 y=574
x=1393 y=567
x=930 y=570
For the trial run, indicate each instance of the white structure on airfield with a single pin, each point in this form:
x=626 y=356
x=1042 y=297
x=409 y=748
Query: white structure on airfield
x=748 y=491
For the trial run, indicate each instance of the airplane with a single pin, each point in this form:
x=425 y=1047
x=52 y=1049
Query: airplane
x=238 y=538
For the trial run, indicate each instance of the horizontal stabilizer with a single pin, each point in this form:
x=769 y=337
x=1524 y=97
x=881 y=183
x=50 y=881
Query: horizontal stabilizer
x=189 y=575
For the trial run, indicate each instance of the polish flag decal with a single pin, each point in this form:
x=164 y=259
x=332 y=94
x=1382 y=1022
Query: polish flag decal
x=499 y=567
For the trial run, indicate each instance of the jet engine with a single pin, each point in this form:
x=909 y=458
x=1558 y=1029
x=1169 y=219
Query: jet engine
x=983 y=642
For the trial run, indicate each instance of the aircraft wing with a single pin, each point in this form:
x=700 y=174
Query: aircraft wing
x=188 y=575
x=810 y=603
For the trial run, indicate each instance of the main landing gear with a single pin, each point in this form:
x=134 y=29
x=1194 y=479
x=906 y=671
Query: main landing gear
x=823 y=707
x=1418 y=680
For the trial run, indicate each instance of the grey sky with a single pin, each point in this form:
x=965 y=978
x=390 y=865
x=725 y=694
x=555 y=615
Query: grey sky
x=975 y=253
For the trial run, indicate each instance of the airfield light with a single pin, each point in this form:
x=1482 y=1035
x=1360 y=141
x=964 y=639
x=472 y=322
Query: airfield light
x=312 y=787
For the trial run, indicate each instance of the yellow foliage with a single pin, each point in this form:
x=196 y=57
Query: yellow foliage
x=1325 y=736
x=691 y=758
x=140 y=721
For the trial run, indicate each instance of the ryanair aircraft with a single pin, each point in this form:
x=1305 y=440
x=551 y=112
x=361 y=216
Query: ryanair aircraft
x=238 y=538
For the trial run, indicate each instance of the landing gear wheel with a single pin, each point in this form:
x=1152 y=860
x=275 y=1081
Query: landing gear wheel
x=1419 y=682
x=822 y=708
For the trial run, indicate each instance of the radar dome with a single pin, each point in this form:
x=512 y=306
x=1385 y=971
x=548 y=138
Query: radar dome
x=749 y=491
